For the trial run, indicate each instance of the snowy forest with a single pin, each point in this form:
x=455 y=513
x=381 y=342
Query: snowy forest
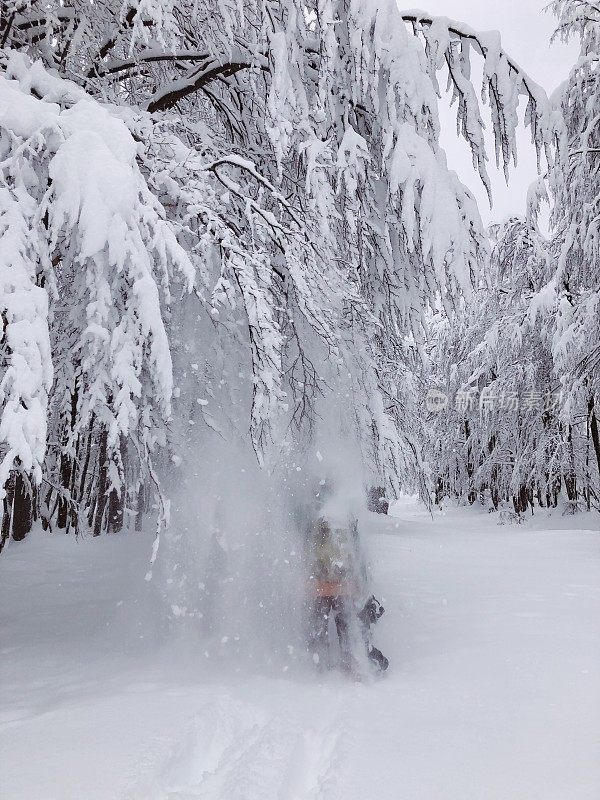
x=236 y=263
x=238 y=217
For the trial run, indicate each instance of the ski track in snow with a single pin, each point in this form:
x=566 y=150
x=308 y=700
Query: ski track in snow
x=227 y=753
x=493 y=691
x=235 y=751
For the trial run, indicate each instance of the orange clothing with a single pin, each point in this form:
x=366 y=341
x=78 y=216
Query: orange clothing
x=324 y=588
x=332 y=574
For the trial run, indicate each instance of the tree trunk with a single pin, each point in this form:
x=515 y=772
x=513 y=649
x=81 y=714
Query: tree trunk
x=141 y=507
x=6 y=509
x=67 y=466
x=117 y=498
x=538 y=493
x=594 y=430
x=570 y=478
x=530 y=497
x=116 y=508
x=571 y=487
x=472 y=494
x=494 y=489
x=557 y=484
x=22 y=510
x=521 y=500
x=100 y=504
x=494 y=495
x=439 y=490
x=86 y=463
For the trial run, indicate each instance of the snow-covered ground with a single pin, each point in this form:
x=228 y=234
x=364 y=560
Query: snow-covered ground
x=493 y=690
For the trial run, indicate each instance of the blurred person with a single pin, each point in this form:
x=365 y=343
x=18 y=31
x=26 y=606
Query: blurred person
x=338 y=587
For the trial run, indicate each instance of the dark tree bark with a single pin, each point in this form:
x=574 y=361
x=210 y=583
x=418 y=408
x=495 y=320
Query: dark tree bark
x=494 y=489
x=117 y=498
x=86 y=463
x=100 y=504
x=64 y=516
x=594 y=430
x=494 y=493
x=22 y=510
x=439 y=490
x=571 y=487
x=470 y=465
x=116 y=508
x=141 y=508
x=556 y=490
x=570 y=477
x=521 y=499
x=6 y=511
x=539 y=496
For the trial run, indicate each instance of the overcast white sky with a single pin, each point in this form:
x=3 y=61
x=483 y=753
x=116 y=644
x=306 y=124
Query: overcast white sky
x=525 y=29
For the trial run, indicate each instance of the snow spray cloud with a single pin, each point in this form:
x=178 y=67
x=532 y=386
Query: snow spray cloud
x=233 y=570
x=236 y=560
x=235 y=563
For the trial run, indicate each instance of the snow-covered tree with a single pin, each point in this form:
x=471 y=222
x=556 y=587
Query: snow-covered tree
x=528 y=348
x=278 y=159
x=573 y=289
x=79 y=227
x=500 y=438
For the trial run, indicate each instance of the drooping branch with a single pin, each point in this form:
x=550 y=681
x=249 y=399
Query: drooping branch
x=8 y=18
x=503 y=79
x=150 y=56
x=168 y=96
x=464 y=32
x=111 y=40
x=248 y=166
x=34 y=21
